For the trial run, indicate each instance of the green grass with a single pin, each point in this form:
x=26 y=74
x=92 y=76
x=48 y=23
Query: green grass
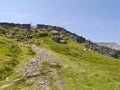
x=12 y=55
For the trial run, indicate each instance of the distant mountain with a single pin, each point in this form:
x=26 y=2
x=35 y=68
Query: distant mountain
x=110 y=45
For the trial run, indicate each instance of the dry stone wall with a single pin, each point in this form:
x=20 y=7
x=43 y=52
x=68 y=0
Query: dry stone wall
x=14 y=25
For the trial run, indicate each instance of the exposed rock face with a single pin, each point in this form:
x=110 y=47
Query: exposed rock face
x=59 y=40
x=89 y=44
x=13 y=25
x=42 y=26
x=72 y=36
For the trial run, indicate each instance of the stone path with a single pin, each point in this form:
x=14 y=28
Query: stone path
x=32 y=67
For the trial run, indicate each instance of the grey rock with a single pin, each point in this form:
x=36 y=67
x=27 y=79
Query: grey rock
x=59 y=40
x=45 y=71
x=13 y=25
x=41 y=83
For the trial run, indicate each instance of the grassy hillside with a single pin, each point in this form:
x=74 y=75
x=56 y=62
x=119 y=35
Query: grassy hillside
x=77 y=69
x=84 y=70
x=12 y=55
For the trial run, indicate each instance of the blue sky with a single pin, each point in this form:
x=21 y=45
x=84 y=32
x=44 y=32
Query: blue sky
x=96 y=20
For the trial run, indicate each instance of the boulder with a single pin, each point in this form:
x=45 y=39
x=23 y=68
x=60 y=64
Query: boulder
x=59 y=40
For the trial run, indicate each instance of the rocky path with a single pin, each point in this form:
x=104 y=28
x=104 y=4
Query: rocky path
x=32 y=67
x=31 y=70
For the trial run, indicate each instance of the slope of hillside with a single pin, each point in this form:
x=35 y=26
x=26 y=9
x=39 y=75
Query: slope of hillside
x=76 y=69
x=110 y=45
x=84 y=69
x=69 y=65
x=11 y=55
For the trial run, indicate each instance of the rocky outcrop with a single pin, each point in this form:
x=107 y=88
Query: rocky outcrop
x=89 y=44
x=42 y=26
x=13 y=25
x=59 y=40
x=61 y=30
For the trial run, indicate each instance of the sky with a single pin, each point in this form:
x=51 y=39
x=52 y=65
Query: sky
x=96 y=20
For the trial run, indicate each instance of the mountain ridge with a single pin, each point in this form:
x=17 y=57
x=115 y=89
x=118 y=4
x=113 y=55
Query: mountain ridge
x=89 y=44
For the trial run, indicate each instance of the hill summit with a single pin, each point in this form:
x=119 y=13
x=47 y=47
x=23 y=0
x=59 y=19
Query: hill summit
x=27 y=34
